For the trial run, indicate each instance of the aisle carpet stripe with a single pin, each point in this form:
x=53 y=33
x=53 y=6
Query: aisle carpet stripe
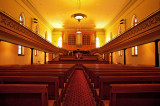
x=78 y=92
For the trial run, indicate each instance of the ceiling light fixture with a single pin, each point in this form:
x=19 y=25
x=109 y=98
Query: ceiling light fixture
x=78 y=31
x=79 y=16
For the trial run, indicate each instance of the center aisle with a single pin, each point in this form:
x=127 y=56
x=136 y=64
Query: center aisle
x=78 y=92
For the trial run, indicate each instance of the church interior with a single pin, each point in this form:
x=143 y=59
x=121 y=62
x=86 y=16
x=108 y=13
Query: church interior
x=79 y=53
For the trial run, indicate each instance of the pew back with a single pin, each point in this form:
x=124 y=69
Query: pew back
x=51 y=81
x=23 y=95
x=96 y=76
x=106 y=81
x=135 y=95
x=61 y=76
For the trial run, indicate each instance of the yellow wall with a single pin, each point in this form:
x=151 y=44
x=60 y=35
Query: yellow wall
x=101 y=36
x=145 y=56
x=9 y=55
x=39 y=58
x=141 y=9
x=55 y=36
x=118 y=59
x=9 y=52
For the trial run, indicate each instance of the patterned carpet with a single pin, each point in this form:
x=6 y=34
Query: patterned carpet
x=78 y=92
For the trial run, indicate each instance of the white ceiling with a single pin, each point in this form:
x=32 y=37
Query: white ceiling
x=99 y=12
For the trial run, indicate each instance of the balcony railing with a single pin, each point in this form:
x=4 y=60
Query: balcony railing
x=146 y=31
x=11 y=31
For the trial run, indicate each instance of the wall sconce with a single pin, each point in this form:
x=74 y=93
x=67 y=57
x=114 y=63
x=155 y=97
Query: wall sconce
x=35 y=20
x=122 y=21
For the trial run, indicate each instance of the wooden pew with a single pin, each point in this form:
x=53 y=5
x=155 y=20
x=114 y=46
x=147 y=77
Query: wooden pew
x=61 y=76
x=95 y=68
x=37 y=70
x=55 y=66
x=60 y=70
x=105 y=82
x=51 y=81
x=96 y=76
x=135 y=95
x=39 y=66
x=110 y=67
x=90 y=58
x=115 y=67
x=23 y=95
x=67 y=58
x=91 y=71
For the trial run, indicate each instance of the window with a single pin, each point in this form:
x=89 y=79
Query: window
x=22 y=22
x=20 y=50
x=119 y=30
x=71 y=39
x=22 y=19
x=36 y=52
x=46 y=36
x=86 y=39
x=134 y=21
x=135 y=51
x=103 y=56
x=53 y=56
x=60 y=42
x=111 y=36
x=97 y=42
x=120 y=53
x=37 y=29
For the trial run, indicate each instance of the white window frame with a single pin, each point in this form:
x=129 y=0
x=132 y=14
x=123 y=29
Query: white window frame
x=135 y=51
x=134 y=20
x=120 y=53
x=36 y=52
x=97 y=42
x=60 y=42
x=20 y=50
x=22 y=20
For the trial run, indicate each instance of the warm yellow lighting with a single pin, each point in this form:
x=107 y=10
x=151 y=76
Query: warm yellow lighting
x=57 y=24
x=97 y=42
x=60 y=42
x=79 y=16
x=100 y=25
x=19 y=49
x=136 y=50
x=78 y=32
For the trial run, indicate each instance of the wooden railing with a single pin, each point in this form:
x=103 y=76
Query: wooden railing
x=11 y=31
x=148 y=30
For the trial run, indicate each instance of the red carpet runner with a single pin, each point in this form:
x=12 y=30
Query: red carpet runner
x=78 y=92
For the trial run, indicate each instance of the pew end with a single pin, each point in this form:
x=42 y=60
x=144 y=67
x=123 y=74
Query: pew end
x=23 y=95
x=135 y=95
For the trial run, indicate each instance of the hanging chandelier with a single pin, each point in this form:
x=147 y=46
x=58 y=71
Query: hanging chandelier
x=79 y=16
x=78 y=31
